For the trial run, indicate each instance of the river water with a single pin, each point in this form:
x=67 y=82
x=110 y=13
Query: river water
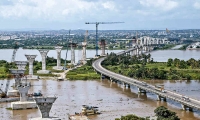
x=112 y=99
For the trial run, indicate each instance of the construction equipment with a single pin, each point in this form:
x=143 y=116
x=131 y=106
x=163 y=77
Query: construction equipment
x=97 y=23
x=167 y=31
x=66 y=52
x=89 y=110
x=86 y=36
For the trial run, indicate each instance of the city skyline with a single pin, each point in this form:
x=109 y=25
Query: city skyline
x=72 y=14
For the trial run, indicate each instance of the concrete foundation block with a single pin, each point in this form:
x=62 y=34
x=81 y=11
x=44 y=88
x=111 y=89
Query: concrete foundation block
x=58 y=68
x=43 y=71
x=13 y=93
x=23 y=105
x=32 y=77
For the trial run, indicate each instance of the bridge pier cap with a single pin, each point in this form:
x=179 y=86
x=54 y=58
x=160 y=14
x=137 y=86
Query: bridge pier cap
x=45 y=104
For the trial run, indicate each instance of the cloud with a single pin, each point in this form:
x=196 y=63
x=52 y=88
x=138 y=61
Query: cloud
x=197 y=5
x=165 y=5
x=73 y=13
x=54 y=9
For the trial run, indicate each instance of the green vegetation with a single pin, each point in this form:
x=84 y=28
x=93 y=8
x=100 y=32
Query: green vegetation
x=9 y=108
x=85 y=72
x=142 y=67
x=164 y=114
x=131 y=117
x=183 y=47
x=4 y=69
x=161 y=112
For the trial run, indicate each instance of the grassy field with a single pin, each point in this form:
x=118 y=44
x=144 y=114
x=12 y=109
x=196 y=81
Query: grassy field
x=82 y=73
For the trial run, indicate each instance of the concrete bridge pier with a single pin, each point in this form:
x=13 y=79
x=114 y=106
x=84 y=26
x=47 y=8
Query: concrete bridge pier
x=31 y=59
x=44 y=55
x=58 y=50
x=44 y=104
x=159 y=98
x=23 y=103
x=111 y=79
x=115 y=81
x=102 y=76
x=123 y=83
x=141 y=91
x=184 y=107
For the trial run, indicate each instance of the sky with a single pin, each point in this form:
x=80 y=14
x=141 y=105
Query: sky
x=72 y=14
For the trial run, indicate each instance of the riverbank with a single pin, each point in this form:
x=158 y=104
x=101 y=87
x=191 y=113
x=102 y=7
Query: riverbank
x=143 y=67
x=85 y=72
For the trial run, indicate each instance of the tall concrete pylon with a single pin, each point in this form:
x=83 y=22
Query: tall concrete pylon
x=73 y=46
x=103 y=46
x=84 y=44
x=44 y=104
x=58 y=50
x=31 y=59
x=44 y=55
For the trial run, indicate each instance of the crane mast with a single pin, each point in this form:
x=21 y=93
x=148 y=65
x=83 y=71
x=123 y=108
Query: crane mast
x=97 y=23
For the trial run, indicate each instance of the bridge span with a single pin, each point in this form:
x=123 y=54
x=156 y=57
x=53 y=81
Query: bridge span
x=187 y=103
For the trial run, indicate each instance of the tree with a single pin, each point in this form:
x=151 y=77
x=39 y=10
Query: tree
x=169 y=62
x=131 y=117
x=164 y=114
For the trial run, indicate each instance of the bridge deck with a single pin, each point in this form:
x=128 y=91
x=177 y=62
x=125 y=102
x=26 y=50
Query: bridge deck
x=193 y=103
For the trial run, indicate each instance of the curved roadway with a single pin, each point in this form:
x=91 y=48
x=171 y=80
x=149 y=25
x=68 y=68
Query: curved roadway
x=192 y=103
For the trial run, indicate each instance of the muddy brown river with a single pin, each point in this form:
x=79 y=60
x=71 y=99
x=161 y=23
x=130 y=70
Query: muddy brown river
x=112 y=99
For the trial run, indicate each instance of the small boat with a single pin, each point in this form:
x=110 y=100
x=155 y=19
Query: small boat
x=89 y=110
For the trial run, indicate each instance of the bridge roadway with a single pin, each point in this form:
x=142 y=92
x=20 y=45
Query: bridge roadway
x=191 y=104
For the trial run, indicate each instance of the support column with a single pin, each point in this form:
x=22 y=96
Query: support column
x=44 y=55
x=159 y=98
x=58 y=50
x=45 y=104
x=84 y=44
x=141 y=90
x=31 y=59
x=23 y=90
x=183 y=107
x=73 y=46
x=103 y=46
